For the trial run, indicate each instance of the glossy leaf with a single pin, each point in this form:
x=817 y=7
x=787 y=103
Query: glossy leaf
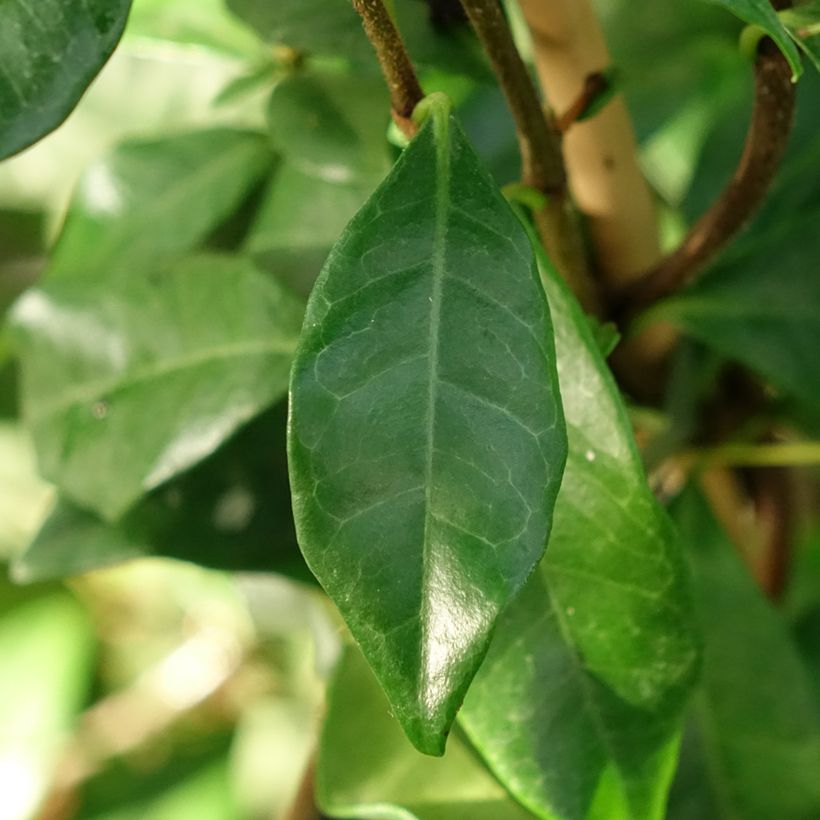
x=50 y=51
x=154 y=197
x=231 y=512
x=427 y=442
x=332 y=125
x=756 y=718
x=128 y=381
x=577 y=706
x=205 y=23
x=367 y=769
x=761 y=13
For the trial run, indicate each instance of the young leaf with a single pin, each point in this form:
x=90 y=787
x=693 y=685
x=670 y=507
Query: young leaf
x=761 y=13
x=50 y=51
x=755 y=713
x=154 y=197
x=427 y=441
x=367 y=769
x=577 y=706
x=130 y=380
x=231 y=512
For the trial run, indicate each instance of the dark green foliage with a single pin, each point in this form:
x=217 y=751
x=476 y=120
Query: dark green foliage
x=50 y=51
x=427 y=440
x=457 y=460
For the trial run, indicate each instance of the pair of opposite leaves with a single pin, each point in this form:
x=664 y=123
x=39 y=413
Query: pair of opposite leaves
x=427 y=444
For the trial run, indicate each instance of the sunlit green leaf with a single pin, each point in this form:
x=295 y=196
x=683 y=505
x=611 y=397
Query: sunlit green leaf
x=577 y=706
x=367 y=768
x=204 y=794
x=24 y=496
x=191 y=22
x=50 y=51
x=128 y=381
x=45 y=672
x=757 y=722
x=427 y=442
x=153 y=197
x=231 y=512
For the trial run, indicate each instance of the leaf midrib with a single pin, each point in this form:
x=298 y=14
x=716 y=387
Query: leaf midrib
x=440 y=126
x=174 y=198
x=93 y=391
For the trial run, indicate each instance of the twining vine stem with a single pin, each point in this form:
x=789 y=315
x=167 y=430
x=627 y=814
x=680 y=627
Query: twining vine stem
x=405 y=89
x=766 y=142
x=541 y=154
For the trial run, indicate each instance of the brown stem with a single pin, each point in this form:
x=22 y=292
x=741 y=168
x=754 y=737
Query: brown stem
x=595 y=84
x=774 y=508
x=766 y=142
x=405 y=89
x=540 y=145
x=542 y=163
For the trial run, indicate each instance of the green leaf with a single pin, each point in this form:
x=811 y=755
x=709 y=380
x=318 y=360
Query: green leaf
x=128 y=381
x=761 y=13
x=332 y=125
x=760 y=304
x=803 y=23
x=50 y=51
x=367 y=769
x=427 y=441
x=299 y=220
x=756 y=718
x=577 y=706
x=24 y=496
x=332 y=28
x=153 y=197
x=231 y=512
x=321 y=26
x=192 y=22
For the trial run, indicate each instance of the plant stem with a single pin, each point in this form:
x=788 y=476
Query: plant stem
x=794 y=454
x=405 y=89
x=542 y=162
x=771 y=492
x=766 y=142
x=606 y=181
x=600 y=152
x=540 y=145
